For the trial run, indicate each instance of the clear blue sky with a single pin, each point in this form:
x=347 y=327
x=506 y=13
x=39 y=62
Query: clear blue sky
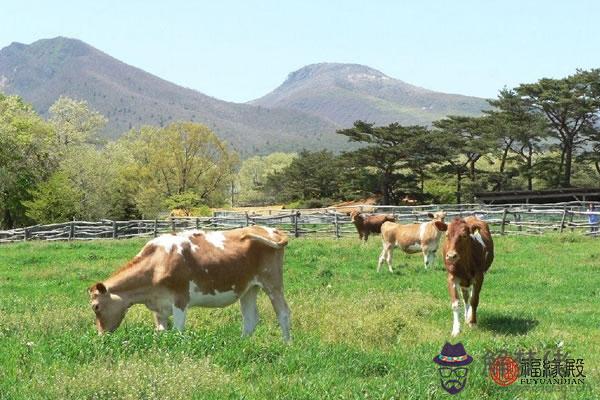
x=240 y=50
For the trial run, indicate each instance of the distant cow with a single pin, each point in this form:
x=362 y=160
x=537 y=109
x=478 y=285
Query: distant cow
x=197 y=268
x=180 y=212
x=412 y=238
x=468 y=254
x=409 y=201
x=367 y=224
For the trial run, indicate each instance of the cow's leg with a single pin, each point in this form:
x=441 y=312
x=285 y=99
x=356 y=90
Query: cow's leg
x=475 y=299
x=271 y=281
x=161 y=319
x=383 y=255
x=179 y=310
x=389 y=256
x=428 y=257
x=453 y=291
x=366 y=236
x=249 y=311
x=179 y=316
x=282 y=311
x=466 y=295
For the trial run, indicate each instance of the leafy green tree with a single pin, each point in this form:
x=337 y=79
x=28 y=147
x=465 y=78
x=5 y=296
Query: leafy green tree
x=592 y=155
x=519 y=133
x=74 y=122
x=252 y=176
x=55 y=200
x=181 y=157
x=27 y=157
x=184 y=201
x=463 y=141
x=571 y=107
x=124 y=183
x=311 y=175
x=92 y=172
x=399 y=154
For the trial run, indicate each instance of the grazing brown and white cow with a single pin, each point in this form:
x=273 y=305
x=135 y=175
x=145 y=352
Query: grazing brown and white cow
x=468 y=254
x=197 y=268
x=412 y=238
x=367 y=224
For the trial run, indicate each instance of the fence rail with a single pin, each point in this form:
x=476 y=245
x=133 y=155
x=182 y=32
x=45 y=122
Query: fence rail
x=509 y=219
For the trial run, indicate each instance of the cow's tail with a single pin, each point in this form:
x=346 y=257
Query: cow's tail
x=271 y=243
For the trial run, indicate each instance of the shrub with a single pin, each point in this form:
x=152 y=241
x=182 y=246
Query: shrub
x=201 y=211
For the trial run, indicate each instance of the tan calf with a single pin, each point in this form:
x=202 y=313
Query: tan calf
x=208 y=269
x=412 y=238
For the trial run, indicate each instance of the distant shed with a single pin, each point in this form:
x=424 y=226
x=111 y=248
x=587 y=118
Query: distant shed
x=539 y=196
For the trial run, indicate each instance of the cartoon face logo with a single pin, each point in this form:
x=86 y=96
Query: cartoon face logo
x=452 y=366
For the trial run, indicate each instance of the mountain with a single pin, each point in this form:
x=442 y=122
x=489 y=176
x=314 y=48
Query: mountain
x=303 y=112
x=129 y=97
x=343 y=93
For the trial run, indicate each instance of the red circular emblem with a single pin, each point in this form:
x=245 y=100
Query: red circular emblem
x=504 y=371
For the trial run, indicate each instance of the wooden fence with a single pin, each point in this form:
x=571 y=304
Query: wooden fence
x=511 y=219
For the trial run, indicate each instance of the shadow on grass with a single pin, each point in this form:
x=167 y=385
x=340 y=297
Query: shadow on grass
x=508 y=325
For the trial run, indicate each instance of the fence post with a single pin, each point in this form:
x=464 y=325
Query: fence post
x=562 y=221
x=296 y=215
x=155 y=228
x=26 y=235
x=115 y=230
x=247 y=219
x=337 y=228
x=518 y=218
x=173 y=224
x=502 y=227
x=571 y=215
x=71 y=230
x=197 y=223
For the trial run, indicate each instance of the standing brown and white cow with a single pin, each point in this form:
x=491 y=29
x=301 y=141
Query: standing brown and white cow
x=197 y=268
x=412 y=238
x=468 y=254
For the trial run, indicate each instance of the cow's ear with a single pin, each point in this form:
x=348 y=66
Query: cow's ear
x=430 y=215
x=478 y=225
x=441 y=226
x=98 y=287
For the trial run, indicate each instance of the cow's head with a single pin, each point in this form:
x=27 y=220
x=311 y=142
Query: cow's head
x=438 y=216
x=457 y=244
x=109 y=309
x=355 y=215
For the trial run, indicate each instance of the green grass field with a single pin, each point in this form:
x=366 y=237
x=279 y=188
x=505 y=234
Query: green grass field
x=357 y=334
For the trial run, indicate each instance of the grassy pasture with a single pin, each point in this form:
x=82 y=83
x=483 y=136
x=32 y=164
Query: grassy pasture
x=357 y=334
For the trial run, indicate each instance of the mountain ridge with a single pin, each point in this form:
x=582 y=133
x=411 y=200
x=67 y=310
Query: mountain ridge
x=130 y=97
x=381 y=98
x=303 y=112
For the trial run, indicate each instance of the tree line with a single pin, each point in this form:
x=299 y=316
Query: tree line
x=534 y=136
x=58 y=169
